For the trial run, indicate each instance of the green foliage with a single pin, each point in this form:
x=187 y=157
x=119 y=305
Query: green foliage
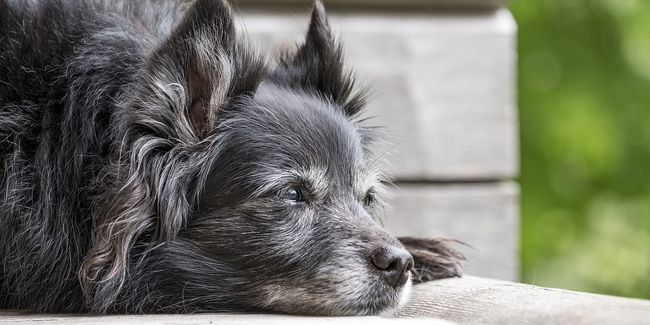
x=584 y=87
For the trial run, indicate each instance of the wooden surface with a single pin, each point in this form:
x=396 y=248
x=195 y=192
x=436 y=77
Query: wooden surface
x=468 y=300
x=485 y=216
x=442 y=86
x=425 y=4
x=473 y=300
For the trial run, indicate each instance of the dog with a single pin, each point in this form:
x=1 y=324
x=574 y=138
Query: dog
x=152 y=161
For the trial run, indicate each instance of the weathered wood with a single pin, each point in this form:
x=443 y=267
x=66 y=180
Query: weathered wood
x=472 y=300
x=485 y=216
x=422 y=4
x=443 y=86
x=468 y=300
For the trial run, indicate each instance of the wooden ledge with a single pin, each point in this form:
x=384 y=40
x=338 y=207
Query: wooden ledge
x=473 y=300
x=468 y=300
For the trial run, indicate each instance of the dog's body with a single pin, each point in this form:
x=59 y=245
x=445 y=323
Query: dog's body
x=151 y=162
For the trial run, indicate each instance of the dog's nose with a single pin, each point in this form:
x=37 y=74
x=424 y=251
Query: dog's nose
x=393 y=263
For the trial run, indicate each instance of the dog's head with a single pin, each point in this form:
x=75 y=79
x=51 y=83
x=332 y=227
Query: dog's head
x=248 y=188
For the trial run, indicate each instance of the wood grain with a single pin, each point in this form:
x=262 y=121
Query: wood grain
x=472 y=300
x=467 y=300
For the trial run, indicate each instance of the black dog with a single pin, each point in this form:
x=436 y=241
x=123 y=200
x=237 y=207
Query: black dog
x=150 y=161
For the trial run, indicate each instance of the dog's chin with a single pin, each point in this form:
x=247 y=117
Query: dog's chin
x=376 y=300
x=405 y=295
x=351 y=299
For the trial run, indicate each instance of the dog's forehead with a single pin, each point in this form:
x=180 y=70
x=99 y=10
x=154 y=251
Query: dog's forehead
x=310 y=137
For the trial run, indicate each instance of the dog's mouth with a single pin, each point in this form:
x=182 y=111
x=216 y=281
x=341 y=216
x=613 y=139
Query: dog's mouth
x=403 y=298
x=342 y=301
x=347 y=287
x=386 y=301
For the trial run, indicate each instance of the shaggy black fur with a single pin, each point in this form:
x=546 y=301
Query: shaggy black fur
x=150 y=161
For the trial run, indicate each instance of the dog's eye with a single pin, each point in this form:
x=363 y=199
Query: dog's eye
x=368 y=199
x=293 y=194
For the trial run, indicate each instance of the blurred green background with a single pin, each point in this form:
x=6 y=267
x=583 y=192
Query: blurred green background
x=584 y=88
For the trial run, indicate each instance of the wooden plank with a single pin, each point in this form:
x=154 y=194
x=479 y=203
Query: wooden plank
x=468 y=300
x=471 y=300
x=408 y=4
x=443 y=86
x=485 y=216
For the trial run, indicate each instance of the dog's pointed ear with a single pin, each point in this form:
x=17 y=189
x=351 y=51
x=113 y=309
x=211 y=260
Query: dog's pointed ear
x=318 y=65
x=201 y=66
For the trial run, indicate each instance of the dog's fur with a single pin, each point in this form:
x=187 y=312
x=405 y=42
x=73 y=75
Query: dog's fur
x=150 y=161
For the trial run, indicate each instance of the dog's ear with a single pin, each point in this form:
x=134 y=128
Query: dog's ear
x=201 y=66
x=318 y=65
x=161 y=166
